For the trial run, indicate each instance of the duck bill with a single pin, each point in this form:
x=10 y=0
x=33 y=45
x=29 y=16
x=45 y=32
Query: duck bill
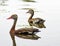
x=27 y=12
x=44 y=20
x=9 y=18
x=42 y=26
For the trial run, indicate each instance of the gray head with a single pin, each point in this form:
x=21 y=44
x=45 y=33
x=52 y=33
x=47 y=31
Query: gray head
x=14 y=16
x=31 y=11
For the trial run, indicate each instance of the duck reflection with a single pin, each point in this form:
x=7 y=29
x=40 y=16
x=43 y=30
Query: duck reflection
x=13 y=39
x=31 y=37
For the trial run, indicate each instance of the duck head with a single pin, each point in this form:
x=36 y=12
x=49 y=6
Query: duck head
x=31 y=11
x=14 y=16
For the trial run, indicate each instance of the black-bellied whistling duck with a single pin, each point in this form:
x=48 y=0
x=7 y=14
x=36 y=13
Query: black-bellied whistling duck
x=25 y=31
x=37 y=22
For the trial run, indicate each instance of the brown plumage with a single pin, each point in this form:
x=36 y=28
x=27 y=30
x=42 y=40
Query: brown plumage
x=32 y=37
x=25 y=31
x=37 y=22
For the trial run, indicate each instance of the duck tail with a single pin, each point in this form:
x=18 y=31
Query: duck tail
x=37 y=30
x=42 y=26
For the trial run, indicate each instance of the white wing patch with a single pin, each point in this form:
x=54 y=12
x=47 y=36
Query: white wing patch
x=35 y=21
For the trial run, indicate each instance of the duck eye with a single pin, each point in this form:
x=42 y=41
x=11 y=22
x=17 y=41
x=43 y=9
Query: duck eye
x=40 y=20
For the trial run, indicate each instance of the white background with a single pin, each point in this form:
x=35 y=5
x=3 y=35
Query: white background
x=48 y=10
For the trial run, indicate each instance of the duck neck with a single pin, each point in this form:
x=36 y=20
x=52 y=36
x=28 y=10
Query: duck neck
x=31 y=16
x=13 y=27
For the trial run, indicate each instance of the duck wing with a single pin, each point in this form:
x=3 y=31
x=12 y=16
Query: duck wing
x=36 y=20
x=39 y=20
x=26 y=31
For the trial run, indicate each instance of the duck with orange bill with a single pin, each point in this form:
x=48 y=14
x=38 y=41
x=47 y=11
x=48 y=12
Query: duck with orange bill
x=25 y=31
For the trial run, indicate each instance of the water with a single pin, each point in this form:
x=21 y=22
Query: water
x=48 y=10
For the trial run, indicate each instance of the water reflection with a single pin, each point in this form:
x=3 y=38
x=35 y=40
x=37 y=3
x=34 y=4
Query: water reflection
x=13 y=39
x=2 y=2
x=28 y=9
x=29 y=1
x=32 y=37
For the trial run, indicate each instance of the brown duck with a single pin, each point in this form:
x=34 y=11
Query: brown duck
x=37 y=22
x=25 y=31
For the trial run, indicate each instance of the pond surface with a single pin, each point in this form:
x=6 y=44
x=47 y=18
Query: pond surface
x=48 y=10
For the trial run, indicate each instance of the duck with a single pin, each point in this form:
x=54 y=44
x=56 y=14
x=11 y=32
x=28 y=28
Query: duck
x=22 y=31
x=37 y=22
